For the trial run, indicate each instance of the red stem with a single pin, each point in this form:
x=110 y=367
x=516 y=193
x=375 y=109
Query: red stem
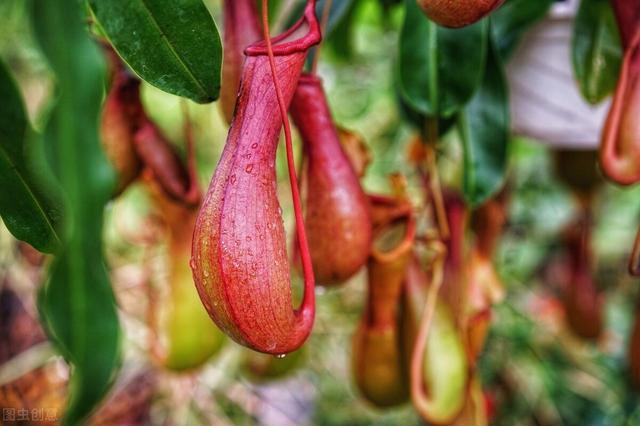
x=305 y=256
x=193 y=193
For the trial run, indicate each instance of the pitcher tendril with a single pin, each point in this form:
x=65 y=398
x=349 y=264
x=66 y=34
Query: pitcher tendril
x=305 y=256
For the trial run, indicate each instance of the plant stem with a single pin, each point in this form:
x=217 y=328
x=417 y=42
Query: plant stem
x=192 y=168
x=431 y=135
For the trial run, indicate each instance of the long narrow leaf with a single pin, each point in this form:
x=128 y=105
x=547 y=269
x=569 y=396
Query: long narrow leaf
x=77 y=302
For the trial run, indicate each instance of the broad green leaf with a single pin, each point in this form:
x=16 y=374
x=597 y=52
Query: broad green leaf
x=27 y=204
x=439 y=68
x=171 y=44
x=596 y=50
x=484 y=130
x=510 y=21
x=76 y=302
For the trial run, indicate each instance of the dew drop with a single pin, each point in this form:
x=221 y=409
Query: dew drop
x=280 y=356
x=248 y=168
x=254 y=146
x=248 y=238
x=232 y=179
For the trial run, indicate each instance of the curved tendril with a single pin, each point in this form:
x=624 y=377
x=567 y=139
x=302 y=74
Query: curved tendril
x=305 y=256
x=419 y=395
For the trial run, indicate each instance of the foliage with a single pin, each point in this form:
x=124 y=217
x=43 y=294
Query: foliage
x=387 y=72
x=484 y=131
x=150 y=36
x=596 y=50
x=27 y=205
x=432 y=79
x=77 y=302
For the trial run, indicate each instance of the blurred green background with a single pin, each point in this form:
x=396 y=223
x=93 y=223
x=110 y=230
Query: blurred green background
x=538 y=372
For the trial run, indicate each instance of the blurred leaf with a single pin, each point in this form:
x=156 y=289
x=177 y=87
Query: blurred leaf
x=173 y=45
x=339 y=9
x=77 y=303
x=510 y=21
x=274 y=8
x=27 y=206
x=439 y=68
x=484 y=130
x=341 y=38
x=417 y=119
x=596 y=50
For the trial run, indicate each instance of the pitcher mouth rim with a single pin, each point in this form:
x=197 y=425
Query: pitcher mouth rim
x=302 y=44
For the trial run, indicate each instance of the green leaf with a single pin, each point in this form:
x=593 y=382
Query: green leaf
x=274 y=8
x=341 y=37
x=418 y=120
x=510 y=21
x=339 y=10
x=27 y=204
x=76 y=303
x=596 y=50
x=171 y=44
x=439 y=68
x=484 y=129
